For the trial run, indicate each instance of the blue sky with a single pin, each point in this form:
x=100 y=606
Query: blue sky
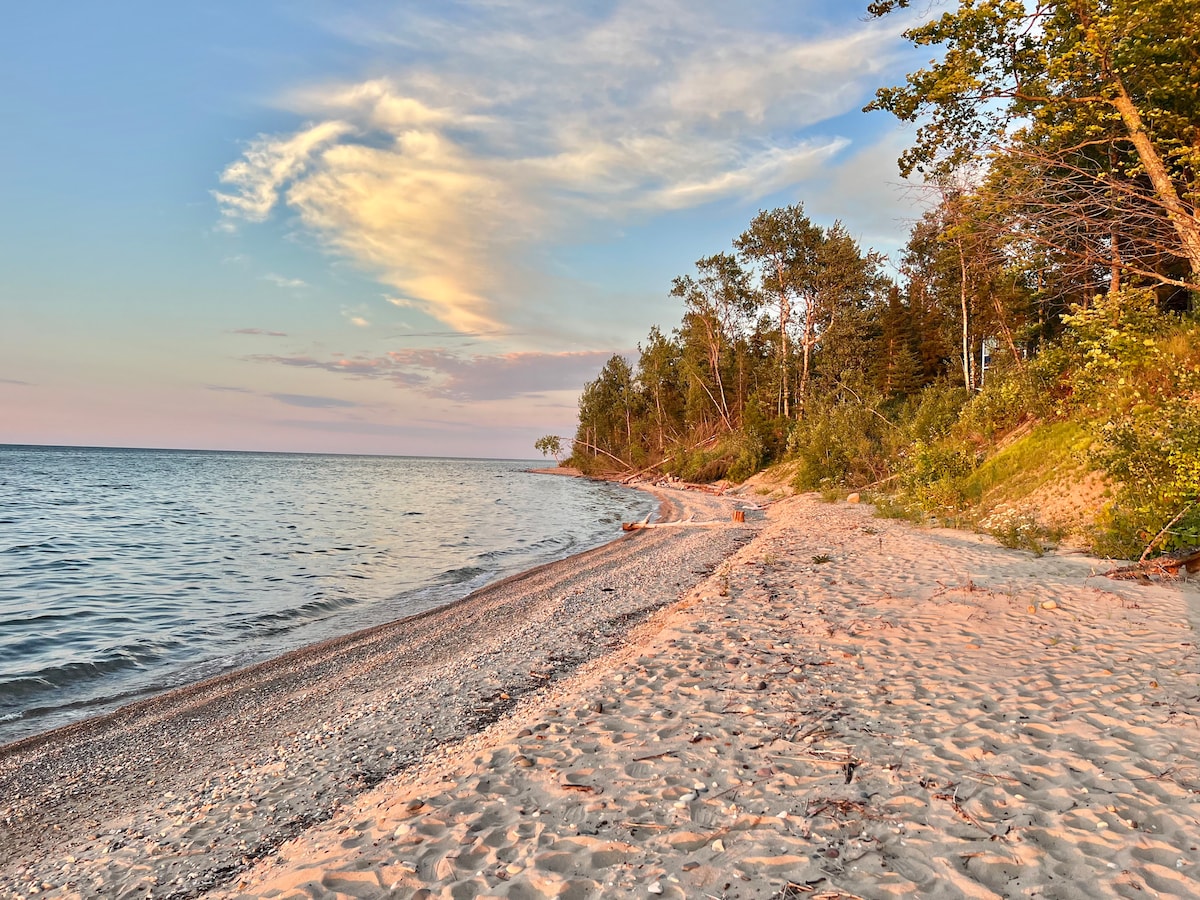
x=412 y=228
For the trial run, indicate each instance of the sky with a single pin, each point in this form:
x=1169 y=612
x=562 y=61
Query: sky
x=413 y=228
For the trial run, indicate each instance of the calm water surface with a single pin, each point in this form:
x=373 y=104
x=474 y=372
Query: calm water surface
x=127 y=572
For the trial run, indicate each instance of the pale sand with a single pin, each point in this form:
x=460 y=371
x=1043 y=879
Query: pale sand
x=893 y=722
x=846 y=707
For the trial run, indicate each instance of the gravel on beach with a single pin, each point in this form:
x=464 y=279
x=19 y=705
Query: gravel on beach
x=190 y=788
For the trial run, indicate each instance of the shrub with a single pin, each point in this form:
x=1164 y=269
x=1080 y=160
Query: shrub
x=1019 y=530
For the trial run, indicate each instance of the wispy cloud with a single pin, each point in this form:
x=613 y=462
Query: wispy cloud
x=259 y=331
x=308 y=401
x=513 y=124
x=282 y=281
x=439 y=373
x=227 y=389
x=15 y=381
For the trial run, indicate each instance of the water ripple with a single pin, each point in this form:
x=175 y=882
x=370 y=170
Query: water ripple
x=124 y=572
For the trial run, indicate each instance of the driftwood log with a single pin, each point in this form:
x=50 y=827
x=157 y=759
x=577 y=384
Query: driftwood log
x=738 y=516
x=1170 y=565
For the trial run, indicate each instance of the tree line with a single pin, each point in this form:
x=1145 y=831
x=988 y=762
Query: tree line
x=1058 y=256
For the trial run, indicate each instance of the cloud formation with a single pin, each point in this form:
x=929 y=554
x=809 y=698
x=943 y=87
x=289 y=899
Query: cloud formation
x=308 y=401
x=259 y=331
x=511 y=124
x=282 y=281
x=439 y=373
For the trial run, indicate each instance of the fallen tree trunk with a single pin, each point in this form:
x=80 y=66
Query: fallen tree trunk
x=1169 y=566
x=738 y=517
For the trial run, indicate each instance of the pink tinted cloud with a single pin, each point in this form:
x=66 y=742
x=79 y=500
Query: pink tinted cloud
x=439 y=373
x=259 y=331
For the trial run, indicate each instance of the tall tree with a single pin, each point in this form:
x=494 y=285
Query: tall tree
x=658 y=375
x=607 y=410
x=1054 y=79
x=716 y=305
x=784 y=243
x=897 y=362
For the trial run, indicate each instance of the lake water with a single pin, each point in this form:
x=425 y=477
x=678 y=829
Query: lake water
x=129 y=572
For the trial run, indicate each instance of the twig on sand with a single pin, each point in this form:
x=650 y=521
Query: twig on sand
x=1162 y=567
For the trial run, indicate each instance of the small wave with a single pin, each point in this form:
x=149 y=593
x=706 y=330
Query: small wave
x=23 y=624
x=67 y=675
x=522 y=549
x=312 y=611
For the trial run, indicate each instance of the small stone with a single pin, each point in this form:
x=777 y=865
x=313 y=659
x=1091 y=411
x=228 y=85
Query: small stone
x=514 y=869
x=853 y=498
x=1032 y=608
x=760 y=686
x=523 y=761
x=1049 y=604
x=414 y=805
x=689 y=797
x=718 y=846
x=596 y=706
x=524 y=732
x=655 y=888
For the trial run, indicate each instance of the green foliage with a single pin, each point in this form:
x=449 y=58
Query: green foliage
x=893 y=506
x=1137 y=379
x=934 y=477
x=1153 y=453
x=840 y=440
x=1021 y=530
x=703 y=464
x=930 y=414
x=550 y=445
x=1114 y=342
x=1050 y=451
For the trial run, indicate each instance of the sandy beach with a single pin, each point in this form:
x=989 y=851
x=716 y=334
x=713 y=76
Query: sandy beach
x=817 y=703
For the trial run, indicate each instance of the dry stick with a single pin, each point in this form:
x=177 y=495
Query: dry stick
x=686 y=523
x=656 y=755
x=1150 y=546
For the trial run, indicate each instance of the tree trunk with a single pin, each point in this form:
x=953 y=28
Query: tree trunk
x=785 y=315
x=964 y=300
x=807 y=341
x=1182 y=219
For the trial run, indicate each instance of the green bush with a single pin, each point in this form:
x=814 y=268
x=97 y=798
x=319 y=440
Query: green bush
x=1020 y=530
x=1153 y=453
x=1138 y=379
x=837 y=443
x=932 y=413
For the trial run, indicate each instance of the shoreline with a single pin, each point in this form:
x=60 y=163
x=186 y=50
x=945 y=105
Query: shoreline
x=315 y=727
x=849 y=708
x=840 y=706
